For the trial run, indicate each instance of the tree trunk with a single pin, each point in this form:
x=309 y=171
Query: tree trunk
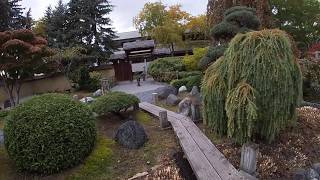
x=172 y=49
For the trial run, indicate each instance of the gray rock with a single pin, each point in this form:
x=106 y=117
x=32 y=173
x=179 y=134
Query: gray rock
x=1 y=137
x=316 y=167
x=311 y=174
x=87 y=100
x=172 y=100
x=195 y=91
x=314 y=105
x=182 y=89
x=299 y=174
x=185 y=106
x=75 y=97
x=131 y=135
x=97 y=93
x=164 y=92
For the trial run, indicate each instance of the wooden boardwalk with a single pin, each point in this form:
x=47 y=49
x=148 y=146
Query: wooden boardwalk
x=207 y=162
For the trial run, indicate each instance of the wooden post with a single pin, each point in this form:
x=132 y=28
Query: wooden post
x=249 y=153
x=163 y=116
x=195 y=112
x=155 y=98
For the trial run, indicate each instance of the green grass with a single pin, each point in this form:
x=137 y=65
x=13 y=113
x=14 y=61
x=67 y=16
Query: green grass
x=143 y=118
x=98 y=164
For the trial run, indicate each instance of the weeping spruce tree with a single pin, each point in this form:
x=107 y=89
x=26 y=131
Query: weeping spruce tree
x=253 y=90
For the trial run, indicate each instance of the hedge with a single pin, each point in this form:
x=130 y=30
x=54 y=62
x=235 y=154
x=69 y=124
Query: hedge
x=114 y=102
x=189 y=82
x=164 y=69
x=49 y=133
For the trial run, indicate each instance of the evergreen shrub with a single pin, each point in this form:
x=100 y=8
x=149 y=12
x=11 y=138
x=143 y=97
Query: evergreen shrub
x=253 y=90
x=49 y=133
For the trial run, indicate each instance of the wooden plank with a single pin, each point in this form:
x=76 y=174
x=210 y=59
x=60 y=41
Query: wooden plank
x=220 y=163
x=198 y=161
x=217 y=160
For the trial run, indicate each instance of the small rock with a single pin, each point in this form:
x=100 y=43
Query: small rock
x=194 y=91
x=87 y=100
x=164 y=92
x=316 y=167
x=185 y=106
x=172 y=100
x=1 y=137
x=75 y=97
x=148 y=162
x=139 y=176
x=299 y=174
x=131 y=135
x=182 y=89
x=97 y=93
x=312 y=174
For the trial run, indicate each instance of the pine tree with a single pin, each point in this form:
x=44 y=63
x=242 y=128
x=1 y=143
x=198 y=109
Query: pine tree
x=11 y=15
x=89 y=26
x=16 y=15
x=28 y=21
x=56 y=26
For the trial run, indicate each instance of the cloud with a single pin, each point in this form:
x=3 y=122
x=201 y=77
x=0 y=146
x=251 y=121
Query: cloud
x=124 y=10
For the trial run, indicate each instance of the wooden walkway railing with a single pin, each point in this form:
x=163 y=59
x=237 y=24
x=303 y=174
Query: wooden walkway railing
x=207 y=162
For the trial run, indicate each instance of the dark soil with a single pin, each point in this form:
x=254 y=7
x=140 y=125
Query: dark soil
x=296 y=147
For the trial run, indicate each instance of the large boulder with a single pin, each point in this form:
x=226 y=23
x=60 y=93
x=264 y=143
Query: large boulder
x=131 y=135
x=164 y=92
x=185 y=106
x=172 y=100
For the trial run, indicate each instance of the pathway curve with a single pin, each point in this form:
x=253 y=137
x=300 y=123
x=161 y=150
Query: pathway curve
x=143 y=92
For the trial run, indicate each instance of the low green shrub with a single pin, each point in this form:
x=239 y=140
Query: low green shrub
x=164 y=69
x=191 y=61
x=49 y=133
x=189 y=82
x=3 y=114
x=114 y=102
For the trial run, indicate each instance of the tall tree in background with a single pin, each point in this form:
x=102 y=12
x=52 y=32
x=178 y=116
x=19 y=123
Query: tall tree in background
x=11 y=15
x=164 y=24
x=89 y=25
x=300 y=18
x=28 y=21
x=56 y=26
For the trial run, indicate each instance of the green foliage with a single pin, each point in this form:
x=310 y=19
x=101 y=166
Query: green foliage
x=3 y=114
x=98 y=163
x=213 y=54
x=114 y=102
x=49 y=133
x=84 y=80
x=189 y=82
x=143 y=118
x=236 y=19
x=252 y=91
x=300 y=18
x=191 y=61
x=311 y=75
x=164 y=69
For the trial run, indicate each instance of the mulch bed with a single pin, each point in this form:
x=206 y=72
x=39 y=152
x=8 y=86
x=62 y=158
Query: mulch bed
x=296 y=147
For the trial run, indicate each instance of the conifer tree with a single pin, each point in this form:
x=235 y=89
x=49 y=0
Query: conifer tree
x=11 y=15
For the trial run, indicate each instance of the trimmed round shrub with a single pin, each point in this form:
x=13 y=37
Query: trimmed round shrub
x=49 y=133
x=114 y=102
x=214 y=53
x=191 y=61
x=164 y=69
x=252 y=91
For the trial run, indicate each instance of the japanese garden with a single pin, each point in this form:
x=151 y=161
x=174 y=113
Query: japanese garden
x=207 y=90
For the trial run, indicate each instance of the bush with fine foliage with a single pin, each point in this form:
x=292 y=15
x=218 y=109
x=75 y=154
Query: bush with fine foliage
x=49 y=133
x=191 y=61
x=164 y=69
x=253 y=90
x=189 y=82
x=114 y=102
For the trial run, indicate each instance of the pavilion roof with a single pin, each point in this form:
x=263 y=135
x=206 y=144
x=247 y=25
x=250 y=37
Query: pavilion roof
x=139 y=45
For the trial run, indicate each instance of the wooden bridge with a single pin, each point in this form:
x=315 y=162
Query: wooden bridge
x=207 y=162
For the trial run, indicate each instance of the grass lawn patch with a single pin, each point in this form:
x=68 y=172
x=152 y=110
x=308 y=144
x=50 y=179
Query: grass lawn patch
x=98 y=164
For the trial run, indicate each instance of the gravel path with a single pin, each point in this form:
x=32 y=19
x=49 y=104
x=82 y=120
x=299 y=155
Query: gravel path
x=1 y=137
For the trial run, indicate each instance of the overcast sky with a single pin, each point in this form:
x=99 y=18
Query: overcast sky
x=124 y=10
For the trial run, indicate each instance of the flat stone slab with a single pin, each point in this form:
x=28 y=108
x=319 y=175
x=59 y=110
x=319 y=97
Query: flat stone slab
x=1 y=137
